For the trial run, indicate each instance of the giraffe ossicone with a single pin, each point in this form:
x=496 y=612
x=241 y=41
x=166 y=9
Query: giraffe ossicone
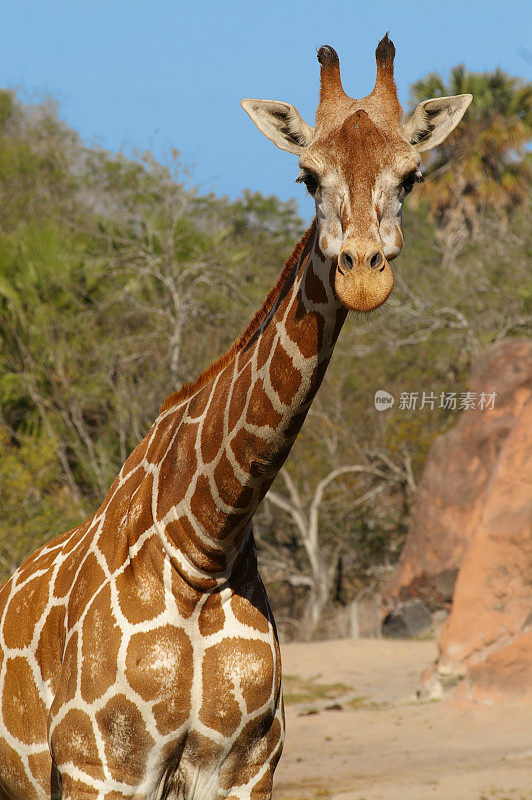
x=138 y=653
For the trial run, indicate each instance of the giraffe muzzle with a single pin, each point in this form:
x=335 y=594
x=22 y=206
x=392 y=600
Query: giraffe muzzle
x=364 y=278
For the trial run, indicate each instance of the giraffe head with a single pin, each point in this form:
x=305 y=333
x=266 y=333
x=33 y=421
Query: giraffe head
x=359 y=162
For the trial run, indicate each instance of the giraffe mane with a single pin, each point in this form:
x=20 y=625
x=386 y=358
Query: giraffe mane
x=189 y=389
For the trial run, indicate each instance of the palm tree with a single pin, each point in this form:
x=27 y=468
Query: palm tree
x=483 y=165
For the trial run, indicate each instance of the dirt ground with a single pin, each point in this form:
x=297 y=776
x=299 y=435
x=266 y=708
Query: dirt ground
x=355 y=730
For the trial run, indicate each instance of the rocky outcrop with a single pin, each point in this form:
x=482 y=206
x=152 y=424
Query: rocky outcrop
x=451 y=495
x=487 y=640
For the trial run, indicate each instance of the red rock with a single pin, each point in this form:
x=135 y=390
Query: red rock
x=488 y=636
x=450 y=496
x=505 y=674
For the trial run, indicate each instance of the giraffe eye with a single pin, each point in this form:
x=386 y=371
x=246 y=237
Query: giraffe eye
x=311 y=181
x=407 y=184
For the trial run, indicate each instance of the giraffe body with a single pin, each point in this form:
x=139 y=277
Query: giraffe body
x=138 y=735
x=138 y=653
x=144 y=637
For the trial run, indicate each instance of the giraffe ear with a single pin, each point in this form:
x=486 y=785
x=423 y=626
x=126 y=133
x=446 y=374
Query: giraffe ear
x=280 y=123
x=433 y=120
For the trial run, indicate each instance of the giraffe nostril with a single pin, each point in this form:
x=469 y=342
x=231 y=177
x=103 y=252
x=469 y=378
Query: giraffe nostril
x=375 y=259
x=346 y=260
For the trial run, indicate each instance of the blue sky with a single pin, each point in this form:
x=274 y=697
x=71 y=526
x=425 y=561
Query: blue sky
x=159 y=75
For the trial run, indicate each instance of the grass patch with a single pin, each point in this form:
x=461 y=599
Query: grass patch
x=361 y=702
x=299 y=690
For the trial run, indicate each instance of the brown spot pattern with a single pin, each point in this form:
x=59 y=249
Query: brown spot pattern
x=101 y=640
x=30 y=599
x=67 y=571
x=177 y=470
x=77 y=788
x=207 y=513
x=21 y=701
x=252 y=611
x=225 y=715
x=239 y=666
x=160 y=442
x=49 y=650
x=133 y=461
x=159 y=668
x=239 y=397
x=209 y=558
x=250 y=451
x=89 y=580
x=17 y=780
x=212 y=617
x=285 y=378
x=212 y=431
x=73 y=740
x=255 y=746
x=40 y=765
x=113 y=540
x=127 y=742
x=139 y=513
x=187 y=596
x=69 y=672
x=315 y=289
x=229 y=487
x=198 y=403
x=306 y=330
x=140 y=594
x=261 y=410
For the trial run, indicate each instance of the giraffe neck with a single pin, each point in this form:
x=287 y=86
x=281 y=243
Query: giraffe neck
x=224 y=439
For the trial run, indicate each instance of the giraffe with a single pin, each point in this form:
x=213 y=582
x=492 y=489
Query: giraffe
x=138 y=653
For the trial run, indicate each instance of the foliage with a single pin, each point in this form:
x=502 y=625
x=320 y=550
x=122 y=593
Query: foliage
x=34 y=500
x=483 y=165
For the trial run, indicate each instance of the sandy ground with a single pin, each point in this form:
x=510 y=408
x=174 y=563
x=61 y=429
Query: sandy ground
x=376 y=741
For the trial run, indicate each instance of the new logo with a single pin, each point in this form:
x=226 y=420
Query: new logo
x=383 y=400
